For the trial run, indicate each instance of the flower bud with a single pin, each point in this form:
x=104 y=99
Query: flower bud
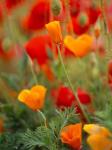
x=56 y=7
x=83 y=19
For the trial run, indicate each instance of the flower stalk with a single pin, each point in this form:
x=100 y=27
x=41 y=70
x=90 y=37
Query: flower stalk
x=43 y=116
x=71 y=86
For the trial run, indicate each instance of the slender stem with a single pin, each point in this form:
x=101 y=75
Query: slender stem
x=43 y=116
x=32 y=70
x=106 y=32
x=105 y=25
x=45 y=123
x=70 y=84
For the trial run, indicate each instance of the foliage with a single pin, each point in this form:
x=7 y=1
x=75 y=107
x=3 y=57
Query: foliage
x=24 y=129
x=49 y=137
x=9 y=141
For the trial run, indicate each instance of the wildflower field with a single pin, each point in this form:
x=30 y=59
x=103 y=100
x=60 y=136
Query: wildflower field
x=55 y=74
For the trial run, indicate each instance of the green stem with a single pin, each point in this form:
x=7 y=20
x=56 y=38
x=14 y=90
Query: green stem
x=43 y=116
x=107 y=35
x=71 y=86
x=45 y=123
x=32 y=70
x=105 y=26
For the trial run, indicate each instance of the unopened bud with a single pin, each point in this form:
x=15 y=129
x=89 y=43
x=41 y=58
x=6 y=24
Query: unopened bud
x=83 y=19
x=56 y=7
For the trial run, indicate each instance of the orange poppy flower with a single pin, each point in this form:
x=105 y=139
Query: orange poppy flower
x=33 y=98
x=100 y=138
x=54 y=30
x=80 y=46
x=72 y=135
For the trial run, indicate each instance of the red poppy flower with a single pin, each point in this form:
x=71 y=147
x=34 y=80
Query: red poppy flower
x=12 y=3
x=110 y=73
x=77 y=6
x=74 y=7
x=93 y=13
x=37 y=48
x=64 y=97
x=84 y=96
x=80 y=23
x=38 y=16
x=83 y=14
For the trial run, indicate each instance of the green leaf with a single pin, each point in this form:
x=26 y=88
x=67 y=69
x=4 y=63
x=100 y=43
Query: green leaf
x=41 y=137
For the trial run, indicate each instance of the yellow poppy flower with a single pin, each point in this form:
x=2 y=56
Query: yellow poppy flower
x=100 y=138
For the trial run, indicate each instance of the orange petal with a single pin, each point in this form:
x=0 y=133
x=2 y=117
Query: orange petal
x=72 y=135
x=64 y=137
x=33 y=101
x=54 y=30
x=39 y=89
x=80 y=46
x=99 y=142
